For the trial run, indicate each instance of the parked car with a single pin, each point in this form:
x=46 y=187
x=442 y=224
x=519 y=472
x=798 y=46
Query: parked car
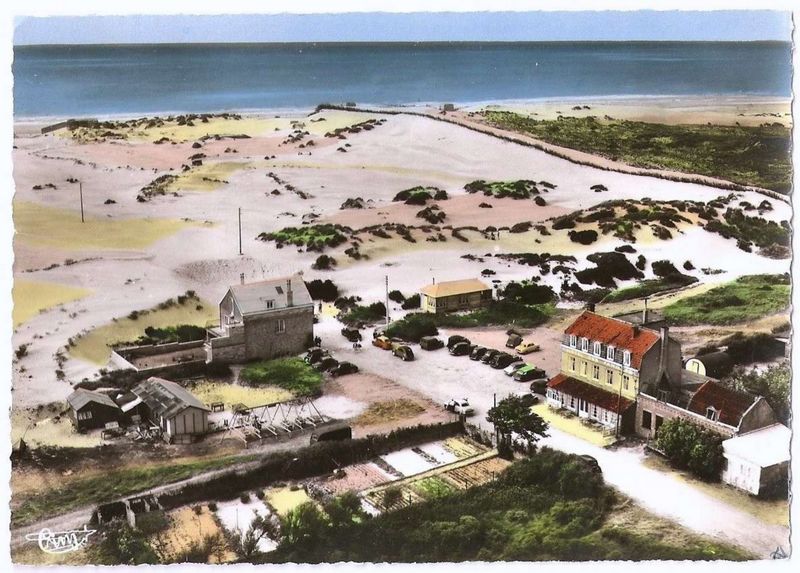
x=527 y=348
x=325 y=364
x=528 y=372
x=478 y=352
x=513 y=367
x=460 y=349
x=488 y=355
x=501 y=360
x=459 y=407
x=455 y=339
x=591 y=463
x=403 y=352
x=430 y=343
x=351 y=334
x=529 y=400
x=513 y=341
x=334 y=433
x=315 y=355
x=343 y=369
x=539 y=386
x=382 y=342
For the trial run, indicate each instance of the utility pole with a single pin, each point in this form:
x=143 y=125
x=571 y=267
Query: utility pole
x=240 y=230
x=387 y=299
x=80 y=190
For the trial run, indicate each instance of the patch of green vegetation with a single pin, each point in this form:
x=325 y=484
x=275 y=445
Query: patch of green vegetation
x=774 y=384
x=757 y=155
x=648 y=288
x=291 y=374
x=747 y=298
x=413 y=327
x=521 y=189
x=420 y=195
x=365 y=314
x=751 y=230
x=313 y=237
x=166 y=334
x=433 y=487
x=499 y=312
x=107 y=486
x=551 y=506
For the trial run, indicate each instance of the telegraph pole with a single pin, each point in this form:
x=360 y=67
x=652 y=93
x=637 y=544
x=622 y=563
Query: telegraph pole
x=387 y=299
x=240 y=230
x=80 y=190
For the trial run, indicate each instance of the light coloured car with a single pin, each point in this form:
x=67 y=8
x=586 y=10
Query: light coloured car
x=527 y=348
x=513 y=367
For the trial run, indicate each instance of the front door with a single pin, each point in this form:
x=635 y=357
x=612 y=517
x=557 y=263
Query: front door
x=583 y=405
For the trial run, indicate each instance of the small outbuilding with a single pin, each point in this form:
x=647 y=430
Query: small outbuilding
x=91 y=410
x=758 y=461
x=448 y=296
x=182 y=417
x=714 y=365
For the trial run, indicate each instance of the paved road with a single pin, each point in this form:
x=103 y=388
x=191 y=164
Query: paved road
x=441 y=376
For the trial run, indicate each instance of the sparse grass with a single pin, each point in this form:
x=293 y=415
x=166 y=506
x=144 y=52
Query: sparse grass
x=95 y=346
x=649 y=288
x=107 y=487
x=291 y=374
x=747 y=298
x=230 y=394
x=32 y=297
x=283 y=500
x=742 y=154
x=313 y=237
x=207 y=177
x=43 y=226
x=390 y=411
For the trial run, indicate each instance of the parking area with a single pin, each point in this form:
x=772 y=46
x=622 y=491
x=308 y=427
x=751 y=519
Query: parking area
x=440 y=376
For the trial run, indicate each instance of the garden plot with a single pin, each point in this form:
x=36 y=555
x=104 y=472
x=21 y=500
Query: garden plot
x=187 y=528
x=357 y=477
x=236 y=517
x=285 y=499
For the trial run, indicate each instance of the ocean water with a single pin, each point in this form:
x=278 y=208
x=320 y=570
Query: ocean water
x=61 y=81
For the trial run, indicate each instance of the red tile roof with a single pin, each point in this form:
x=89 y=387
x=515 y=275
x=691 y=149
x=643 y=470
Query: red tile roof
x=614 y=332
x=731 y=404
x=592 y=394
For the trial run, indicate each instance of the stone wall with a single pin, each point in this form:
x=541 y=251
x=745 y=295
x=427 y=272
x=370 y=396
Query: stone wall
x=669 y=411
x=262 y=341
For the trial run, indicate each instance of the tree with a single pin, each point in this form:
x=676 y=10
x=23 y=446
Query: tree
x=343 y=509
x=260 y=527
x=513 y=416
x=773 y=385
x=688 y=446
x=305 y=523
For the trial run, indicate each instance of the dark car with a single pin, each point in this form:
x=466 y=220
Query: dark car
x=478 y=352
x=333 y=433
x=430 y=343
x=315 y=355
x=351 y=334
x=528 y=373
x=404 y=353
x=529 y=400
x=325 y=364
x=513 y=341
x=343 y=369
x=591 y=463
x=489 y=355
x=539 y=386
x=455 y=339
x=501 y=360
x=460 y=349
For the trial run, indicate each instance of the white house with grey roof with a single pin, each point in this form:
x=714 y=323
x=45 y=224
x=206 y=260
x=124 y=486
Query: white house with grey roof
x=182 y=417
x=262 y=320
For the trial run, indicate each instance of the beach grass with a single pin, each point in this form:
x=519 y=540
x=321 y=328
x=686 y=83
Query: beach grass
x=43 y=226
x=207 y=177
x=291 y=374
x=32 y=297
x=748 y=155
x=745 y=299
x=95 y=346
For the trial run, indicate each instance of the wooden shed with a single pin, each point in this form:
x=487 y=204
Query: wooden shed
x=90 y=410
x=182 y=417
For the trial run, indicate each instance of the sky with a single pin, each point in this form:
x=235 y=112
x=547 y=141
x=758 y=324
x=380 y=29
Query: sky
x=385 y=27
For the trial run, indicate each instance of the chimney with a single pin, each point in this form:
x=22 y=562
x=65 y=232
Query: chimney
x=662 y=355
x=241 y=278
x=289 y=293
x=635 y=330
x=644 y=313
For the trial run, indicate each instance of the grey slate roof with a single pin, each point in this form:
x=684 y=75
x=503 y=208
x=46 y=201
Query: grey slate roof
x=252 y=298
x=79 y=398
x=165 y=398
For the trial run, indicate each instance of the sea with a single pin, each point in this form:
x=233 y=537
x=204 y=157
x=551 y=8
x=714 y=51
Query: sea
x=128 y=80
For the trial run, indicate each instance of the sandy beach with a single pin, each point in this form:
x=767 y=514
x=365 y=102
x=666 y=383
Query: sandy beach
x=131 y=254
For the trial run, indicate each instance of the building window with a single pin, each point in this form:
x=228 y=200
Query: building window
x=84 y=415
x=595 y=372
x=280 y=326
x=712 y=413
x=647 y=419
x=572 y=401
x=269 y=304
x=610 y=353
x=598 y=349
x=659 y=421
x=594 y=410
x=626 y=358
x=463 y=299
x=585 y=367
x=626 y=380
x=610 y=376
x=572 y=363
x=573 y=340
x=662 y=395
x=585 y=344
